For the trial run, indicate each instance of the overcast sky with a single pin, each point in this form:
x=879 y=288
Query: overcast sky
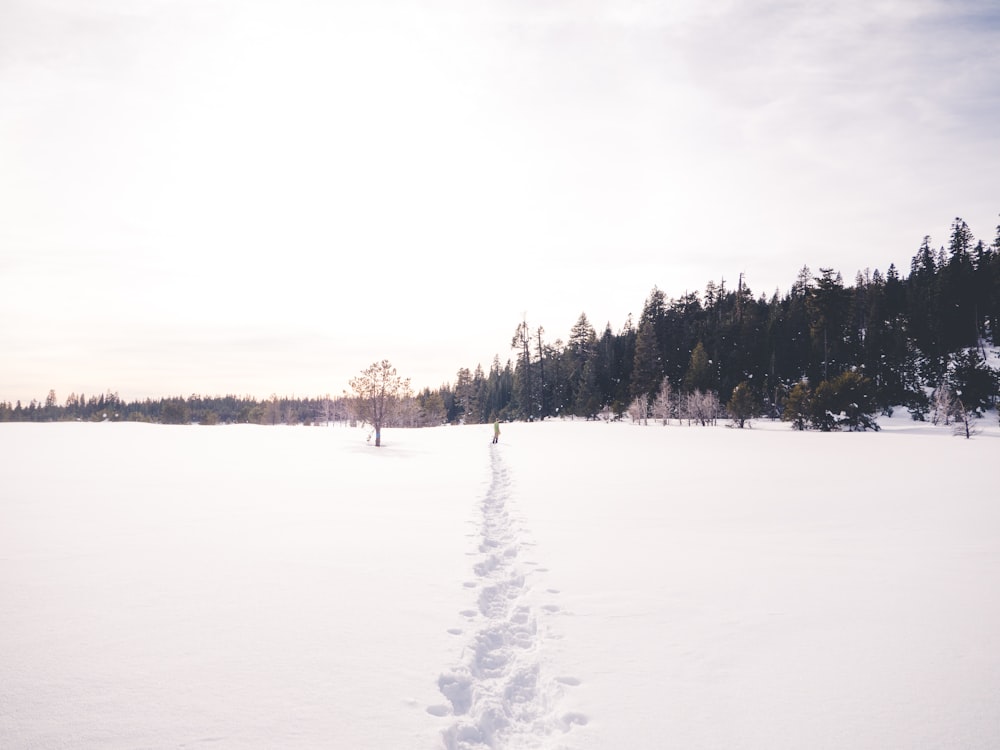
x=239 y=196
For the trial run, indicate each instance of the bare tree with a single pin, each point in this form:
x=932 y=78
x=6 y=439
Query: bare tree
x=663 y=404
x=638 y=410
x=965 y=421
x=330 y=409
x=701 y=407
x=376 y=392
x=407 y=412
x=944 y=405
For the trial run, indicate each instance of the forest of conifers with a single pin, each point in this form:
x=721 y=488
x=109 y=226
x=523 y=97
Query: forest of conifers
x=887 y=340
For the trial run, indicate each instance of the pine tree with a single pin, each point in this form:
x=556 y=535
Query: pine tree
x=466 y=398
x=742 y=404
x=698 y=376
x=581 y=355
x=798 y=406
x=959 y=318
x=377 y=390
x=973 y=381
x=647 y=370
x=521 y=342
x=827 y=303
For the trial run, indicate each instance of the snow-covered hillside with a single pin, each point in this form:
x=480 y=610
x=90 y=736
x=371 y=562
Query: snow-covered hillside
x=579 y=585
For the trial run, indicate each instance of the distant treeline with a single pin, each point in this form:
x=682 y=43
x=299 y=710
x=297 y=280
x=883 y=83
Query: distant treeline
x=178 y=410
x=822 y=349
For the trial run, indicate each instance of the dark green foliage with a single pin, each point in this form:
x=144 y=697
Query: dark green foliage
x=798 y=406
x=853 y=401
x=698 y=376
x=827 y=303
x=743 y=405
x=647 y=370
x=844 y=402
x=973 y=381
x=175 y=411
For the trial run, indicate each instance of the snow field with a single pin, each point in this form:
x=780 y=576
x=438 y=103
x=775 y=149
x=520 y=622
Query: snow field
x=578 y=585
x=276 y=587
x=728 y=588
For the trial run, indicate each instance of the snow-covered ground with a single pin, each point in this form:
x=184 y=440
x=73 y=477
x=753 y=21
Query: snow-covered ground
x=579 y=585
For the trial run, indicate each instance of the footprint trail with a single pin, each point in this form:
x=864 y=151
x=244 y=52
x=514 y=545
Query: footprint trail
x=497 y=694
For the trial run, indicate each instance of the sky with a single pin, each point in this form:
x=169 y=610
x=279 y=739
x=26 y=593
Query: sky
x=250 y=197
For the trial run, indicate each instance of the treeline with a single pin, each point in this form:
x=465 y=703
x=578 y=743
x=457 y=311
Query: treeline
x=900 y=338
x=428 y=408
x=179 y=410
x=824 y=355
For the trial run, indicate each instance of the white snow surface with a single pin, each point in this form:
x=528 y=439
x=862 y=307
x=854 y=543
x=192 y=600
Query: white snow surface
x=579 y=585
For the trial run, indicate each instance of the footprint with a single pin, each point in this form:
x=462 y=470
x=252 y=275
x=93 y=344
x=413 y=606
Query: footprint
x=438 y=710
x=551 y=607
x=521 y=616
x=553 y=591
x=568 y=720
x=470 y=613
x=571 y=681
x=541 y=570
x=485 y=567
x=470 y=584
x=454 y=631
x=457 y=688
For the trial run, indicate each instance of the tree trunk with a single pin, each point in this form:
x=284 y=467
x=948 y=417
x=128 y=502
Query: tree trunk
x=378 y=436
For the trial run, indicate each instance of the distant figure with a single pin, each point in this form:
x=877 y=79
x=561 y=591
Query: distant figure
x=496 y=431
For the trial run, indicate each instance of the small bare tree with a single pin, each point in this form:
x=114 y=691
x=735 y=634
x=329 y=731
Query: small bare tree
x=638 y=410
x=663 y=403
x=376 y=392
x=701 y=407
x=407 y=411
x=965 y=421
x=944 y=405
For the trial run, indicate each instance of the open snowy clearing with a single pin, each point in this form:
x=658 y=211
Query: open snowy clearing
x=579 y=585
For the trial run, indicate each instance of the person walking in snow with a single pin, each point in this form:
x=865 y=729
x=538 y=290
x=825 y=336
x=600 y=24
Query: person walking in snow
x=496 y=431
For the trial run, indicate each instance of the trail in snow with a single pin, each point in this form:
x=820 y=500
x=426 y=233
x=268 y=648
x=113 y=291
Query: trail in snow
x=498 y=694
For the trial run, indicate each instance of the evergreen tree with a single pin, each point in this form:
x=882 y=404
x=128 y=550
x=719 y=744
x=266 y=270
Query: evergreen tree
x=923 y=306
x=827 y=304
x=854 y=401
x=377 y=391
x=623 y=359
x=798 y=406
x=698 y=376
x=466 y=398
x=742 y=404
x=521 y=343
x=972 y=381
x=581 y=355
x=647 y=370
x=959 y=325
